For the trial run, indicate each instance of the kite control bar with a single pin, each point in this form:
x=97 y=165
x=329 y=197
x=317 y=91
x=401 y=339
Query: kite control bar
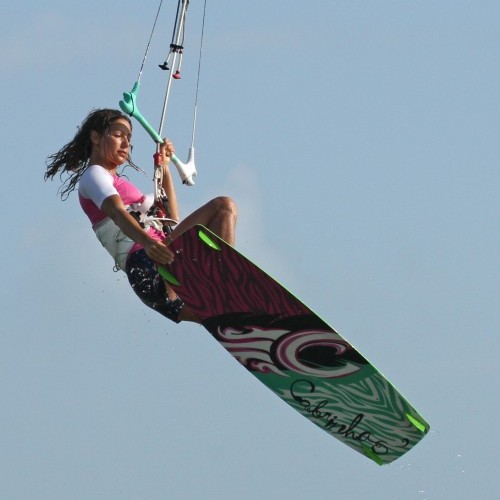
x=128 y=105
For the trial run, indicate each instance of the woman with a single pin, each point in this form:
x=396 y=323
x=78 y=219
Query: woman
x=120 y=213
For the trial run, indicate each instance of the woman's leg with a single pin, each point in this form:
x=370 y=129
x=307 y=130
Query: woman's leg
x=185 y=313
x=219 y=215
x=152 y=289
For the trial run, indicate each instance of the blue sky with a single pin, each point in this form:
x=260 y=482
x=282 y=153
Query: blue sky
x=360 y=141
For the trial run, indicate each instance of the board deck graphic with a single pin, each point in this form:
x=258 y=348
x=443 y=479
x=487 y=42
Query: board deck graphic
x=290 y=349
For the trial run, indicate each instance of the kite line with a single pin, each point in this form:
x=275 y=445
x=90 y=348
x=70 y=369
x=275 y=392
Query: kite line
x=172 y=63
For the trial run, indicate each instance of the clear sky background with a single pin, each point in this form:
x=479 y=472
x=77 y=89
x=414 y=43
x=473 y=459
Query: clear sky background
x=360 y=141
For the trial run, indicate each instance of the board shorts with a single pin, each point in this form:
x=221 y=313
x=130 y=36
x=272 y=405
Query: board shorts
x=149 y=286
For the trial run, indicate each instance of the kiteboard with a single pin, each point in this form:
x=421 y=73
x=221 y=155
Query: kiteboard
x=290 y=349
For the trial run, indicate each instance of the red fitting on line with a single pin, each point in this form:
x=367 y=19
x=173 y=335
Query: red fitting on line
x=156 y=158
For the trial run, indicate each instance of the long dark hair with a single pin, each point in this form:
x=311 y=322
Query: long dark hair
x=72 y=159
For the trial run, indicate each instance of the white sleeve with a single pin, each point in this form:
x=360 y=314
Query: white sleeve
x=96 y=184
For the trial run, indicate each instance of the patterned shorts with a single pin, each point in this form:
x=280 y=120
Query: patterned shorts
x=150 y=287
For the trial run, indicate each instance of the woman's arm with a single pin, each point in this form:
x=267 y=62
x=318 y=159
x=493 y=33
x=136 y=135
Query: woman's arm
x=114 y=208
x=167 y=149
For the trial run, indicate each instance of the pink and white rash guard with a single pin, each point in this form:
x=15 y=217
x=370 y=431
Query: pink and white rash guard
x=97 y=184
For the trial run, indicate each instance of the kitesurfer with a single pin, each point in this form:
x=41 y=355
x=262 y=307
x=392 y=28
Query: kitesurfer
x=121 y=214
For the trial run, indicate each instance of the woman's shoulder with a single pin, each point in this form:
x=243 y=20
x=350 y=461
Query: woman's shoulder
x=96 y=170
x=96 y=173
x=95 y=178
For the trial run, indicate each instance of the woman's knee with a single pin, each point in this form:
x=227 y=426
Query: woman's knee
x=224 y=204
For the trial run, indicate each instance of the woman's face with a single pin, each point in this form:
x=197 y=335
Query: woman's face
x=112 y=148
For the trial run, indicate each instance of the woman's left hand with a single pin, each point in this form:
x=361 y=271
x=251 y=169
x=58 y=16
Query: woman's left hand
x=166 y=151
